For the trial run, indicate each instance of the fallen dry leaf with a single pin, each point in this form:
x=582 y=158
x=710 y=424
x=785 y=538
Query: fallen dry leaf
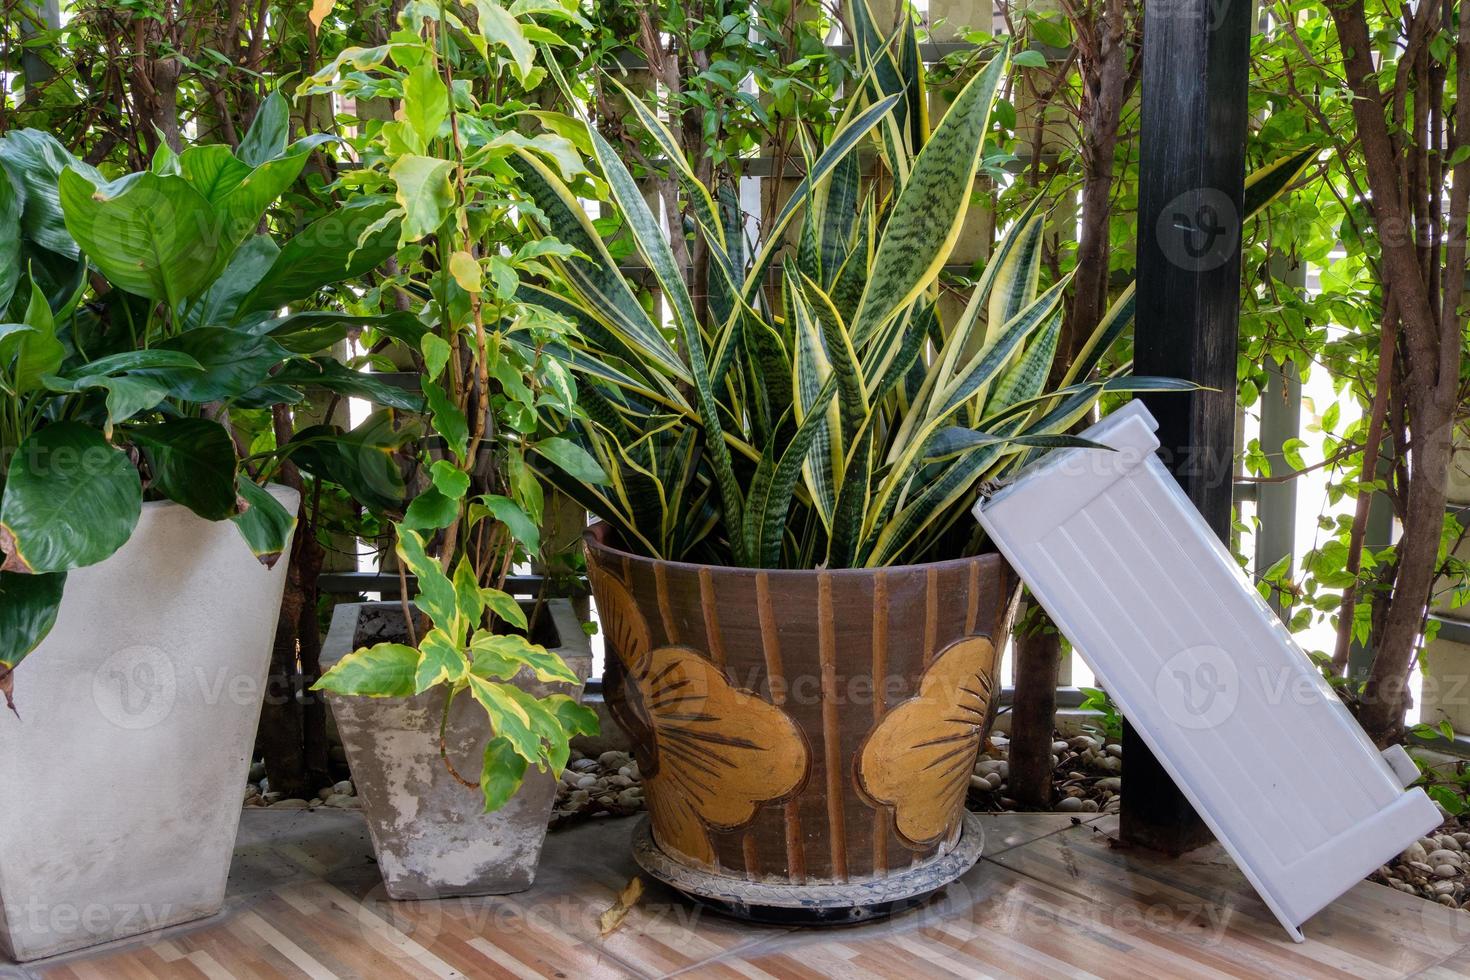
x=614 y=916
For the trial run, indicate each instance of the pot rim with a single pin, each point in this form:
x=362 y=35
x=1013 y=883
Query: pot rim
x=287 y=496
x=598 y=529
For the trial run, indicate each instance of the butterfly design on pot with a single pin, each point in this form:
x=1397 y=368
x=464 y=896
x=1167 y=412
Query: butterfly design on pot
x=711 y=754
x=918 y=760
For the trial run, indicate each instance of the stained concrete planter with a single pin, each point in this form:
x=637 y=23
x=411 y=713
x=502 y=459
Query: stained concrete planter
x=429 y=831
x=120 y=783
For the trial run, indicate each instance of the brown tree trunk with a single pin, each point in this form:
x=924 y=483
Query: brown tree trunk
x=1104 y=42
x=1385 y=698
x=1033 y=715
x=1427 y=294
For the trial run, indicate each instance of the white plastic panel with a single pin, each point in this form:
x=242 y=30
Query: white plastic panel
x=1237 y=714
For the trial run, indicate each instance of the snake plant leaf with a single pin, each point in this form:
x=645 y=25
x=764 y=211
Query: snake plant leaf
x=386 y=670
x=192 y=462
x=837 y=205
x=649 y=239
x=844 y=142
x=772 y=487
x=1265 y=184
x=882 y=75
x=71 y=500
x=340 y=246
x=501 y=774
x=853 y=498
x=1014 y=283
x=1025 y=378
x=707 y=214
x=936 y=497
x=1117 y=319
x=155 y=236
x=927 y=218
x=28 y=608
x=954 y=441
x=992 y=359
x=264 y=522
x=655 y=250
x=595 y=279
x=811 y=371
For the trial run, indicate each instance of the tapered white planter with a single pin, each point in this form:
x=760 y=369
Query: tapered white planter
x=121 y=782
x=430 y=833
x=1234 y=710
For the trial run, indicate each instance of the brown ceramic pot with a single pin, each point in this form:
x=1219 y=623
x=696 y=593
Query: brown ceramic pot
x=802 y=729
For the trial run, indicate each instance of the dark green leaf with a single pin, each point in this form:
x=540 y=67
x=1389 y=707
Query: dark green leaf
x=71 y=500
x=265 y=523
x=193 y=463
x=28 y=608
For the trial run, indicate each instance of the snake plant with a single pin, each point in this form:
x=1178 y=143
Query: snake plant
x=817 y=408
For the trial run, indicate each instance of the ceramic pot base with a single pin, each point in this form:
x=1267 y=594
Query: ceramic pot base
x=845 y=903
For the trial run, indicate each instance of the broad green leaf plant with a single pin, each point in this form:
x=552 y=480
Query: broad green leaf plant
x=139 y=312
x=497 y=393
x=815 y=406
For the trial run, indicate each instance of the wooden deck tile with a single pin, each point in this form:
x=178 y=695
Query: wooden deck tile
x=1053 y=897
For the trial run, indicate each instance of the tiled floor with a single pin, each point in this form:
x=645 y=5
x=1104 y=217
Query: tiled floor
x=1053 y=897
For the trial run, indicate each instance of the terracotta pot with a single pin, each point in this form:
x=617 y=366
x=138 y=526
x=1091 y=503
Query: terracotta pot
x=806 y=737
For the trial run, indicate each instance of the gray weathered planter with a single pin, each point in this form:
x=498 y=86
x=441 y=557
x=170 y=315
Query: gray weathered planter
x=429 y=831
x=121 y=782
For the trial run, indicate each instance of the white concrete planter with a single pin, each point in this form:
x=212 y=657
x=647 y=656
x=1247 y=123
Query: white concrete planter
x=430 y=833
x=121 y=782
x=1231 y=706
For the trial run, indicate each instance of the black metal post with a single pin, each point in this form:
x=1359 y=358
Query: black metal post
x=1191 y=175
